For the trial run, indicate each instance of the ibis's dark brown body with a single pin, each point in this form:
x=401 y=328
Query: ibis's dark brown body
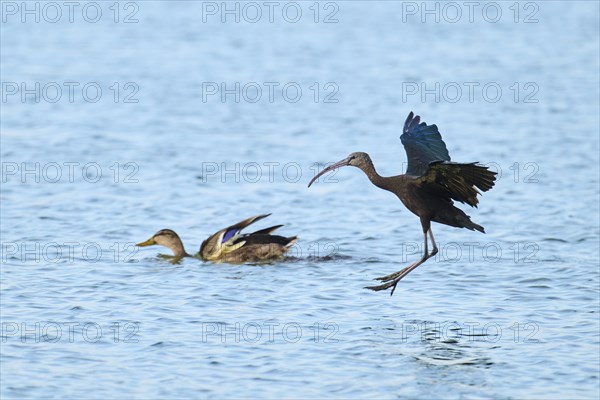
x=421 y=201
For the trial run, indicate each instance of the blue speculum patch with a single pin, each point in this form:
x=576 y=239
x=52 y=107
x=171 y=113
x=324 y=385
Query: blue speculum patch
x=228 y=235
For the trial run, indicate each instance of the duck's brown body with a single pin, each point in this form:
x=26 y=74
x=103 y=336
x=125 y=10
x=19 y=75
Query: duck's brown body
x=258 y=252
x=230 y=245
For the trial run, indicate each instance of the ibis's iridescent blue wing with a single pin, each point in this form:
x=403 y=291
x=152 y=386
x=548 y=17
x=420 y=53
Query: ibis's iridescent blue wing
x=423 y=144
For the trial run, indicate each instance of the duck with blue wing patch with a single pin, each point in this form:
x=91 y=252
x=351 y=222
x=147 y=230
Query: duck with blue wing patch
x=230 y=244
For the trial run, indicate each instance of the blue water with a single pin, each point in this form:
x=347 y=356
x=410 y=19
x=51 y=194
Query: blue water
x=509 y=314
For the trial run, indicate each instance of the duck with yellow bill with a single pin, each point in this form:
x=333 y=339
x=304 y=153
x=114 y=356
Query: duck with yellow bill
x=230 y=244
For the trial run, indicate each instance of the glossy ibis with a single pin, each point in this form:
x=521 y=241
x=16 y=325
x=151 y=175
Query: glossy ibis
x=229 y=244
x=428 y=188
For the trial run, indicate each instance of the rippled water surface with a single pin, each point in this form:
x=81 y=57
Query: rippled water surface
x=509 y=314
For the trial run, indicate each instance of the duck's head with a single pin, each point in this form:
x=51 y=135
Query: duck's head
x=166 y=238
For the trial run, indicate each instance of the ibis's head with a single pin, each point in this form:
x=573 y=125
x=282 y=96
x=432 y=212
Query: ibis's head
x=359 y=160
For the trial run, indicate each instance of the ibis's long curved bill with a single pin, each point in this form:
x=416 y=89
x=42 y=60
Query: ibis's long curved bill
x=342 y=163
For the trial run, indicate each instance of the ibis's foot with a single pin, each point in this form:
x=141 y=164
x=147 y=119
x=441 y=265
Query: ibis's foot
x=403 y=272
x=393 y=276
x=391 y=284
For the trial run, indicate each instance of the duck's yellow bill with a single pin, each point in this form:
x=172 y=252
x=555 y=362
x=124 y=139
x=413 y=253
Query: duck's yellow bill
x=148 y=242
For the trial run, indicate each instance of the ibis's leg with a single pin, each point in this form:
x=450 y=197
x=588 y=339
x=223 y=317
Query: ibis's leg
x=393 y=279
x=393 y=276
x=434 y=251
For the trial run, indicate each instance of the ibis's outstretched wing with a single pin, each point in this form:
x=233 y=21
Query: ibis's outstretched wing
x=460 y=182
x=423 y=144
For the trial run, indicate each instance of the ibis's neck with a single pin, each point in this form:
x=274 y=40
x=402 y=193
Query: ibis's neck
x=374 y=177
